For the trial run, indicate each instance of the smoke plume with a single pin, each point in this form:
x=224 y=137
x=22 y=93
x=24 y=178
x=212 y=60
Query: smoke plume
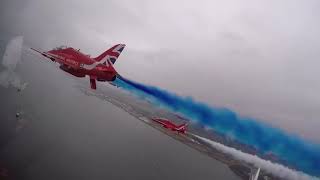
x=301 y=154
x=269 y=167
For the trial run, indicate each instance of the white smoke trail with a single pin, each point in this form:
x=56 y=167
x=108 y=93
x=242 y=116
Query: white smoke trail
x=269 y=167
x=11 y=58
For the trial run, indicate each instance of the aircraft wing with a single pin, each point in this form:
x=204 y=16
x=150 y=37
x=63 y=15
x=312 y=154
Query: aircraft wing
x=182 y=126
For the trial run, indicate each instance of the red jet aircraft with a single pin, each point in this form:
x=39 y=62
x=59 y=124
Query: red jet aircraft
x=78 y=64
x=169 y=125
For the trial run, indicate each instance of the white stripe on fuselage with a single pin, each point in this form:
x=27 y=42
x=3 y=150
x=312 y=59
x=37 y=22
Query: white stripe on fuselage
x=181 y=127
x=104 y=60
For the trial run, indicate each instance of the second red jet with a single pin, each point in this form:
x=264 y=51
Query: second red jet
x=169 y=125
x=78 y=64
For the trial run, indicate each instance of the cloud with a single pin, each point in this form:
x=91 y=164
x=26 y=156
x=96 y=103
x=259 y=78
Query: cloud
x=259 y=58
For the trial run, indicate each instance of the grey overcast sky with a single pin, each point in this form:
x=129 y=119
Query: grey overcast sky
x=259 y=58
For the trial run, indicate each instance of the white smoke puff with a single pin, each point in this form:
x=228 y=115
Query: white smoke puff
x=11 y=58
x=4 y=78
x=12 y=54
x=272 y=168
x=8 y=77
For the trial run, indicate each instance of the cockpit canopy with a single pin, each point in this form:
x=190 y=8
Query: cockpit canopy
x=65 y=47
x=60 y=47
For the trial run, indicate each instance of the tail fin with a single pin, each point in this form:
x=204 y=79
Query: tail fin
x=112 y=53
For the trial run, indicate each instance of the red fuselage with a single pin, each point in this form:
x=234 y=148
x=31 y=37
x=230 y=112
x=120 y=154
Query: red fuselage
x=73 y=62
x=169 y=125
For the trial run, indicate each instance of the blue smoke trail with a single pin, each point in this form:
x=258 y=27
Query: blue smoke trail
x=303 y=155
